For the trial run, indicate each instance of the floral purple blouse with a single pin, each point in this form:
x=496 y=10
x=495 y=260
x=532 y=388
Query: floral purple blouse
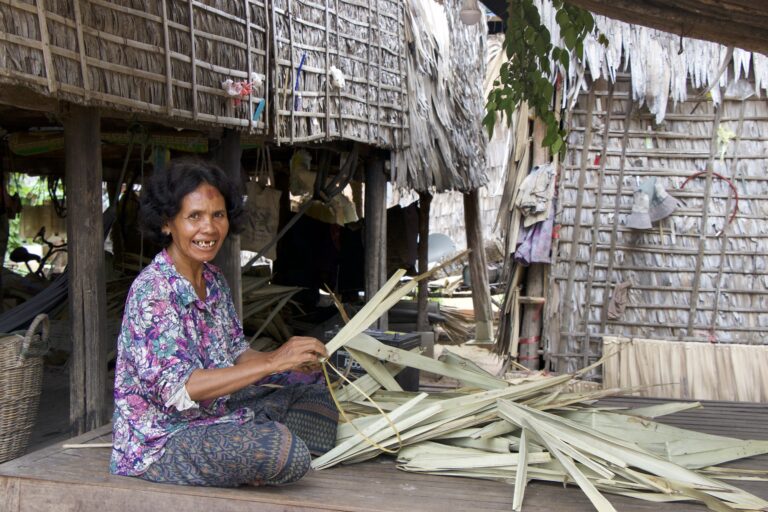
x=167 y=333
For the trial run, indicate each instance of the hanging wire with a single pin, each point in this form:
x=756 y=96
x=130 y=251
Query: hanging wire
x=59 y=206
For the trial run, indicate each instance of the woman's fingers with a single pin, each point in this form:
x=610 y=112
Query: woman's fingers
x=310 y=344
x=300 y=351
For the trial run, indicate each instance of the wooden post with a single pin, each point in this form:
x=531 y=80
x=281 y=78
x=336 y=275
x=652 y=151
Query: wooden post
x=425 y=200
x=87 y=291
x=357 y=197
x=478 y=269
x=530 y=330
x=375 y=230
x=228 y=157
x=3 y=245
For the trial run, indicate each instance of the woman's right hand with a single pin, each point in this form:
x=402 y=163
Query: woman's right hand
x=297 y=352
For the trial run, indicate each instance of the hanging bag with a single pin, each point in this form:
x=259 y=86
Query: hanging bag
x=262 y=209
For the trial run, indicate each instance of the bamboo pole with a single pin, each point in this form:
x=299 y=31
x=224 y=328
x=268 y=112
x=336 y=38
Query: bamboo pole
x=724 y=236
x=265 y=118
x=50 y=74
x=327 y=69
x=168 y=69
x=529 y=340
x=294 y=79
x=249 y=63
x=478 y=269
x=595 y=222
x=375 y=230
x=193 y=57
x=694 y=300
x=81 y=49
x=425 y=200
x=616 y=208
x=568 y=299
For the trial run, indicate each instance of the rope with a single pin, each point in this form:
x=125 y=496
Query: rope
x=730 y=184
x=325 y=363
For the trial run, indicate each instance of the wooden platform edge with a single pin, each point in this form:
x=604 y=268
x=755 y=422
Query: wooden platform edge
x=22 y=492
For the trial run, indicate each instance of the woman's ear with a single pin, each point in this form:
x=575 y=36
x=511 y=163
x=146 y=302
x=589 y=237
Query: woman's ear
x=165 y=229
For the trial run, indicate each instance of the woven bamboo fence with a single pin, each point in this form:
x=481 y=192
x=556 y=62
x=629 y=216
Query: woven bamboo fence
x=694 y=277
x=364 y=40
x=169 y=58
x=165 y=58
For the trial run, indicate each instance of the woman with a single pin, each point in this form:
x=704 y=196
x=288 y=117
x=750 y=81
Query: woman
x=186 y=407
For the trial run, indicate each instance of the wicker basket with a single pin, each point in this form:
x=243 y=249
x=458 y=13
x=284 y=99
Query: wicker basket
x=21 y=379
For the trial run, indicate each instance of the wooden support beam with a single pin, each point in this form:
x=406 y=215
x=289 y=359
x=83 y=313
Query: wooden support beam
x=375 y=230
x=531 y=327
x=425 y=200
x=87 y=291
x=478 y=269
x=4 y=231
x=228 y=157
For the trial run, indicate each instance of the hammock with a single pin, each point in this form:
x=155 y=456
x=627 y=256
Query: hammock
x=49 y=298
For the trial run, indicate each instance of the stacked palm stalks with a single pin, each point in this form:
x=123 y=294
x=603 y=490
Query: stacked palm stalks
x=527 y=428
x=262 y=303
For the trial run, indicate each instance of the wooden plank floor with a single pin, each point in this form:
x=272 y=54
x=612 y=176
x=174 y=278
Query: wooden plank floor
x=54 y=479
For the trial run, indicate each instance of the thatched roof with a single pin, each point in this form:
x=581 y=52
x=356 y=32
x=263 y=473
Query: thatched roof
x=161 y=59
x=739 y=23
x=446 y=69
x=661 y=63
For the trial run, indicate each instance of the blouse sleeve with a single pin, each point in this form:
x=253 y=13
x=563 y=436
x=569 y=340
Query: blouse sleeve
x=163 y=361
x=238 y=343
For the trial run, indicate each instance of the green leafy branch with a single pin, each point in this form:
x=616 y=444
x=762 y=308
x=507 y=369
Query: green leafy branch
x=527 y=74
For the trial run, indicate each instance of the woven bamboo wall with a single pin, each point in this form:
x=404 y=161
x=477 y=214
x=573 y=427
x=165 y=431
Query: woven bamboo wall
x=168 y=58
x=692 y=279
x=365 y=41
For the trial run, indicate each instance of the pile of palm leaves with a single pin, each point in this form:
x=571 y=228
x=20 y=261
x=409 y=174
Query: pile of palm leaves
x=262 y=303
x=527 y=428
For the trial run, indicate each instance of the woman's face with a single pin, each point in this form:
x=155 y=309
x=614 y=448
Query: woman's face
x=199 y=229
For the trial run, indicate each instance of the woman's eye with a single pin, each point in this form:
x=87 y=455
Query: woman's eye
x=194 y=216
x=220 y=215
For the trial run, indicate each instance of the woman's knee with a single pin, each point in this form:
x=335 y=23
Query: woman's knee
x=297 y=463
x=281 y=458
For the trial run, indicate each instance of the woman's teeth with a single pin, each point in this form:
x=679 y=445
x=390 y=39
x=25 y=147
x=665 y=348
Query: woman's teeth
x=205 y=244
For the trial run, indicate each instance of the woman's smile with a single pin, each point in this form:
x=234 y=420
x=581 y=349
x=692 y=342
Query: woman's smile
x=198 y=230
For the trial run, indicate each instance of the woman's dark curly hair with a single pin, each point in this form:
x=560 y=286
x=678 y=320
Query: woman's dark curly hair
x=162 y=196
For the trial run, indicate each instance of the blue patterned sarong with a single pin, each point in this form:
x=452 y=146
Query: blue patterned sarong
x=290 y=422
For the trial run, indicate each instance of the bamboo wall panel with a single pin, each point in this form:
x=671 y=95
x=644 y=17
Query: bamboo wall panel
x=366 y=42
x=693 y=278
x=168 y=59
x=674 y=369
